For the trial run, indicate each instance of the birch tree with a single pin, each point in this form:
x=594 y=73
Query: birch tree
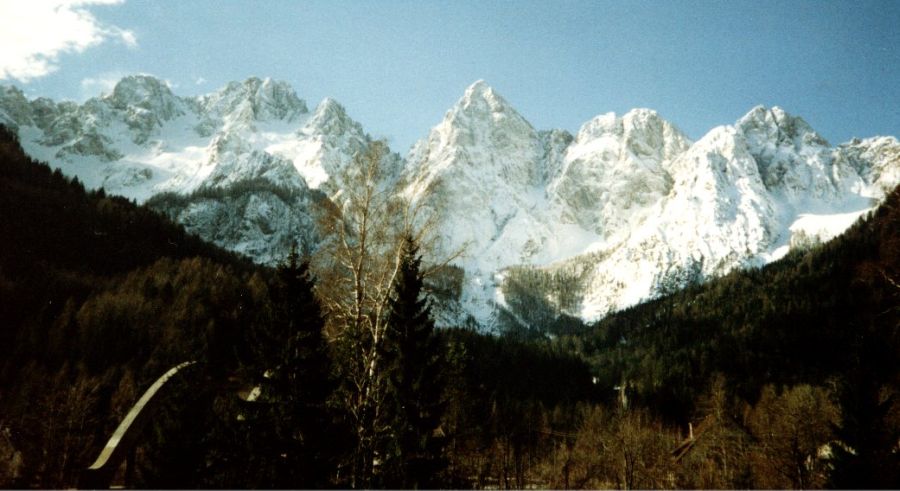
x=364 y=227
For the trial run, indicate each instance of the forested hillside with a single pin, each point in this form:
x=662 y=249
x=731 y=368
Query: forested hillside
x=98 y=297
x=827 y=318
x=782 y=377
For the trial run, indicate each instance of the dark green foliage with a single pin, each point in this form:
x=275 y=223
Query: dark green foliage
x=294 y=435
x=866 y=400
x=50 y=220
x=413 y=454
x=59 y=243
x=445 y=283
x=537 y=299
x=507 y=401
x=98 y=297
x=168 y=201
x=173 y=450
x=870 y=380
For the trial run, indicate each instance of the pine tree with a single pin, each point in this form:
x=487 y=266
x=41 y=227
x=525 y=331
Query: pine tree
x=413 y=452
x=294 y=376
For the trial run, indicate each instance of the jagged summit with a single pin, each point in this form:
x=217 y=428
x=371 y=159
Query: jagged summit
x=610 y=123
x=482 y=118
x=793 y=159
x=644 y=131
x=482 y=98
x=329 y=105
x=145 y=92
x=599 y=125
x=616 y=168
x=14 y=107
x=762 y=122
x=141 y=139
x=479 y=86
x=255 y=99
x=480 y=95
x=330 y=117
x=139 y=87
x=483 y=124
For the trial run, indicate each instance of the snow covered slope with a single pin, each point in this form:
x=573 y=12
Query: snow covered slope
x=141 y=139
x=627 y=208
x=484 y=170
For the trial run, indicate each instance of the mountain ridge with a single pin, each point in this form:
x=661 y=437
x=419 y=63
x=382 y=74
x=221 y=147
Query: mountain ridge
x=629 y=201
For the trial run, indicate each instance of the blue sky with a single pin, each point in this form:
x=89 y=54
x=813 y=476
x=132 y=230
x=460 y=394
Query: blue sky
x=398 y=66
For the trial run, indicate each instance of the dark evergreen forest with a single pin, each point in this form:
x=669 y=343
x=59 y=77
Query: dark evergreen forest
x=779 y=377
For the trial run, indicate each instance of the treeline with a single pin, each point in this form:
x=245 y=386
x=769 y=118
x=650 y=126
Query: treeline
x=169 y=200
x=537 y=300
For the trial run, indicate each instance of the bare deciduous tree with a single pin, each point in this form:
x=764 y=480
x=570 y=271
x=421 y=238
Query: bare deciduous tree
x=623 y=450
x=363 y=229
x=790 y=428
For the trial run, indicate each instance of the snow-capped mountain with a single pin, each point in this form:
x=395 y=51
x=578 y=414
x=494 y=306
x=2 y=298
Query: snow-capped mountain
x=630 y=207
x=625 y=209
x=242 y=162
x=141 y=139
x=483 y=171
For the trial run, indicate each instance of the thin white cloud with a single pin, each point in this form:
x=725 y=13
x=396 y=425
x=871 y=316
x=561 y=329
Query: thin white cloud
x=34 y=33
x=199 y=81
x=127 y=37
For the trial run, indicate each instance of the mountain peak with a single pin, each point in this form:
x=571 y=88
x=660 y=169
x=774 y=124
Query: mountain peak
x=762 y=116
x=146 y=92
x=256 y=81
x=141 y=82
x=267 y=85
x=642 y=113
x=137 y=89
x=765 y=123
x=14 y=107
x=480 y=117
x=256 y=99
x=330 y=105
x=481 y=97
x=330 y=117
x=599 y=125
x=478 y=88
x=633 y=123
